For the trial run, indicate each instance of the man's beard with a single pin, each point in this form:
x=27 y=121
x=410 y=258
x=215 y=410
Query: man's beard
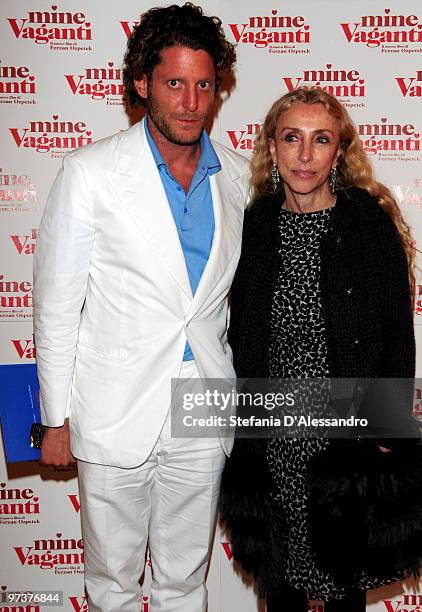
x=165 y=129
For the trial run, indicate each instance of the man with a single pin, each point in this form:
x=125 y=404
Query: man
x=137 y=249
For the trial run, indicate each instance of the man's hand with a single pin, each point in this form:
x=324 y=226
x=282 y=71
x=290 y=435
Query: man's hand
x=55 y=447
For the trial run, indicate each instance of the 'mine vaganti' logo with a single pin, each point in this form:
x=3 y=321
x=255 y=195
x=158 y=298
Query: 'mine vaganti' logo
x=244 y=140
x=63 y=30
x=18 y=506
x=385 y=30
x=410 y=87
x=15 y=298
x=273 y=31
x=65 y=555
x=25 y=243
x=17 y=85
x=53 y=136
x=17 y=193
x=408 y=602
x=25 y=348
x=98 y=83
x=342 y=83
x=398 y=141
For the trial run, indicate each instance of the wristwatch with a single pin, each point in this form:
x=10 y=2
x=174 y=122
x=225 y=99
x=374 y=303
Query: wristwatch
x=36 y=435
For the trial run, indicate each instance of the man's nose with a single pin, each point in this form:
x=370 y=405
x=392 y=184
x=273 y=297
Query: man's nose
x=190 y=100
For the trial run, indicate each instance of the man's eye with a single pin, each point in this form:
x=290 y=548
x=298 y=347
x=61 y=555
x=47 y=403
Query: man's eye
x=203 y=84
x=173 y=82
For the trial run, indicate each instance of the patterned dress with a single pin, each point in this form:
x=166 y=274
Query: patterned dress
x=298 y=349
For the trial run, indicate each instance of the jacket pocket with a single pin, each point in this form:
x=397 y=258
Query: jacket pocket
x=111 y=354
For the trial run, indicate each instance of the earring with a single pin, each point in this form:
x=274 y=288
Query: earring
x=275 y=176
x=332 y=179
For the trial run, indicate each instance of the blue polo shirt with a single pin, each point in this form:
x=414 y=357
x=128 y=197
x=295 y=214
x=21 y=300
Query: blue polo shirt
x=193 y=212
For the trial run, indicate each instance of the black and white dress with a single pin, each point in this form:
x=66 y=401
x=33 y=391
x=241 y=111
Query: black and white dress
x=298 y=349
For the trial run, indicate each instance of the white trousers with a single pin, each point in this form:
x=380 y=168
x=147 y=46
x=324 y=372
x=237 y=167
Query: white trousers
x=168 y=502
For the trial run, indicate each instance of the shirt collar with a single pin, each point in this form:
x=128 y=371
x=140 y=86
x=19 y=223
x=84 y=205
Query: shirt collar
x=208 y=161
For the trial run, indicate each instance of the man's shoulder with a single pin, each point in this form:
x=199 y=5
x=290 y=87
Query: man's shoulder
x=231 y=161
x=104 y=150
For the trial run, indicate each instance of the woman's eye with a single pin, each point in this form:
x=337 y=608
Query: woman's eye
x=323 y=139
x=290 y=137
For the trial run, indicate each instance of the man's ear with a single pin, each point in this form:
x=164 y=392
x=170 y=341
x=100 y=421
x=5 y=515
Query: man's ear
x=141 y=86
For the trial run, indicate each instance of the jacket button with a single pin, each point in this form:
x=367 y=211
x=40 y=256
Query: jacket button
x=338 y=239
x=355 y=341
x=349 y=290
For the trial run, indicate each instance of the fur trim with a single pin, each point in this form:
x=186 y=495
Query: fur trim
x=254 y=526
x=366 y=509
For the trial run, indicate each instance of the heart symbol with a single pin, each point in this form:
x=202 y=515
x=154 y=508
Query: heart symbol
x=3 y=588
x=329 y=66
x=59 y=535
x=55 y=117
x=361 y=81
x=274 y=11
x=111 y=64
x=88 y=24
x=54 y=7
x=88 y=133
x=387 y=11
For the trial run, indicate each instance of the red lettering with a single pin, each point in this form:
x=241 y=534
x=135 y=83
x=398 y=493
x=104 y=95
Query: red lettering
x=79 y=604
x=235 y=31
x=227 y=549
x=16 y=29
x=348 y=32
x=75 y=502
x=72 y=83
x=21 y=555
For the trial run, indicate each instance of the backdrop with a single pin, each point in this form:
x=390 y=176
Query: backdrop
x=60 y=88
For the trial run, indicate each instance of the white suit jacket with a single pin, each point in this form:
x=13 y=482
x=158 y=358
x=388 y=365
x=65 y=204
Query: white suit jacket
x=113 y=303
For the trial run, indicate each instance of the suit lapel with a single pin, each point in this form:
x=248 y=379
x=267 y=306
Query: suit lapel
x=227 y=234
x=137 y=184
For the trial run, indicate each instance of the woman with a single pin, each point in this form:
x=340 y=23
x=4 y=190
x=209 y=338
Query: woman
x=322 y=290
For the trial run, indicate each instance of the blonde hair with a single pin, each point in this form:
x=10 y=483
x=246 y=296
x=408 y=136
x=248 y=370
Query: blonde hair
x=353 y=166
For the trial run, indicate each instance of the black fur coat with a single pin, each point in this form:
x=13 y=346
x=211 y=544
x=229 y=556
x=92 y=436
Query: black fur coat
x=369 y=326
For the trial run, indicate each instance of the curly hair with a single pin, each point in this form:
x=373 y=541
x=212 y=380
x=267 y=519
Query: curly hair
x=353 y=166
x=163 y=27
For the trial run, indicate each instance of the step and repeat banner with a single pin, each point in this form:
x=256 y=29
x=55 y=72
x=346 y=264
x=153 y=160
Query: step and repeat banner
x=60 y=88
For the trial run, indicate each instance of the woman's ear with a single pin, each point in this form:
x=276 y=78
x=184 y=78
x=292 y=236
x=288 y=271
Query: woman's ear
x=273 y=152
